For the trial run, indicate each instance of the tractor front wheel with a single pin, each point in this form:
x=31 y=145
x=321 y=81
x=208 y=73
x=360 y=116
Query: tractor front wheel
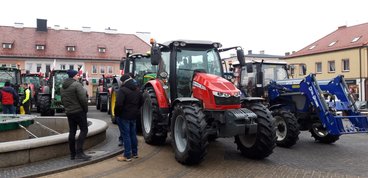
x=262 y=143
x=152 y=132
x=189 y=138
x=103 y=103
x=287 y=128
x=319 y=133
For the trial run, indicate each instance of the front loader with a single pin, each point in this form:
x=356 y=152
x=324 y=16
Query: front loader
x=190 y=99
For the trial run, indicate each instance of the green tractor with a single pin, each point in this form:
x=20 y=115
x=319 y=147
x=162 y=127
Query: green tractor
x=137 y=64
x=49 y=97
x=13 y=75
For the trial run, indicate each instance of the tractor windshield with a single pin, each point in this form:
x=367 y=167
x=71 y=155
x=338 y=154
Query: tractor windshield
x=6 y=75
x=59 y=79
x=190 y=60
x=35 y=80
x=143 y=67
x=270 y=72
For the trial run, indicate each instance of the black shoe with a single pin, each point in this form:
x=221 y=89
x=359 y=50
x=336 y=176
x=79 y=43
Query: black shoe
x=121 y=144
x=82 y=157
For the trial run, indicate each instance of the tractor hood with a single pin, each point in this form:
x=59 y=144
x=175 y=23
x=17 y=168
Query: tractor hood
x=215 y=83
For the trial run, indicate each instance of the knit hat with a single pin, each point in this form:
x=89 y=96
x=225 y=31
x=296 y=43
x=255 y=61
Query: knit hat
x=125 y=78
x=71 y=73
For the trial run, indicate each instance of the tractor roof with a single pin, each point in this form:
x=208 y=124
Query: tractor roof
x=265 y=61
x=195 y=42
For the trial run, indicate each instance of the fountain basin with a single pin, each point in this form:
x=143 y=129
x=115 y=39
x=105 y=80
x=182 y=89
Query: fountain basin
x=25 y=151
x=11 y=121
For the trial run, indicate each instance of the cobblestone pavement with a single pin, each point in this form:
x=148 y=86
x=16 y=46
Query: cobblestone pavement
x=348 y=157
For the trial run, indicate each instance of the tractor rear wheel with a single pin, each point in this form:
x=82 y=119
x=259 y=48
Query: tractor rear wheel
x=112 y=106
x=188 y=130
x=152 y=132
x=287 y=128
x=319 y=133
x=261 y=144
x=45 y=106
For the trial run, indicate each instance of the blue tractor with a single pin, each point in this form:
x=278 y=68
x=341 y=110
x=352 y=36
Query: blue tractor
x=325 y=108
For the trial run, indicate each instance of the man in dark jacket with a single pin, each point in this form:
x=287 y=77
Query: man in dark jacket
x=8 y=97
x=74 y=99
x=127 y=108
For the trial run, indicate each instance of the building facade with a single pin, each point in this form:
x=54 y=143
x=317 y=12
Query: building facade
x=342 y=52
x=43 y=48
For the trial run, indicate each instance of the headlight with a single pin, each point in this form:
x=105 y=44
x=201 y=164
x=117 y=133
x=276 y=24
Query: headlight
x=237 y=94
x=220 y=94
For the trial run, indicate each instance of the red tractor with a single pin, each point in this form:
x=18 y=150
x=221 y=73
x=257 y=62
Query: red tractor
x=190 y=99
x=35 y=82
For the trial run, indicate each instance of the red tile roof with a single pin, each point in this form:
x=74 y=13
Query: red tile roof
x=343 y=37
x=25 y=40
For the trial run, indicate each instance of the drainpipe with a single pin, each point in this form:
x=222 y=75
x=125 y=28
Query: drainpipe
x=360 y=75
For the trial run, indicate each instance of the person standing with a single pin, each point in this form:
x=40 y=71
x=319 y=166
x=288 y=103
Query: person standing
x=8 y=97
x=74 y=99
x=127 y=108
x=26 y=101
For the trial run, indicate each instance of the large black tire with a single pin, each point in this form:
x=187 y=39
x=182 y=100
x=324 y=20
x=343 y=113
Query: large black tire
x=287 y=128
x=109 y=105
x=261 y=144
x=319 y=133
x=103 y=103
x=45 y=106
x=152 y=132
x=188 y=132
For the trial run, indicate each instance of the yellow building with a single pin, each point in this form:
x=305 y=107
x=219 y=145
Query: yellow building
x=342 y=52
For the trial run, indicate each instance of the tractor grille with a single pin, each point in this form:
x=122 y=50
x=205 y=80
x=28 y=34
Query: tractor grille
x=227 y=101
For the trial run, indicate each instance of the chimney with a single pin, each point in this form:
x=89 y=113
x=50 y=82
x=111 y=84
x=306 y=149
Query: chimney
x=249 y=51
x=287 y=53
x=57 y=27
x=41 y=25
x=341 y=27
x=18 y=25
x=293 y=52
x=262 y=52
x=86 y=29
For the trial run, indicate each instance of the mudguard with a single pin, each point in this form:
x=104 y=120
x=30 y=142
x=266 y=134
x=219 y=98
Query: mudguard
x=160 y=93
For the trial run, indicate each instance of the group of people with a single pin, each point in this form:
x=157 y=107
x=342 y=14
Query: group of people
x=10 y=99
x=127 y=106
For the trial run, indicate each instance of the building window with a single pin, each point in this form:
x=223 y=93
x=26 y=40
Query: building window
x=94 y=69
x=38 y=67
x=102 y=69
x=345 y=65
x=302 y=69
x=332 y=43
x=7 y=45
x=109 y=69
x=331 y=66
x=313 y=46
x=48 y=69
x=101 y=50
x=355 y=39
x=70 y=48
x=62 y=67
x=318 y=67
x=29 y=67
x=40 y=47
x=13 y=65
x=71 y=66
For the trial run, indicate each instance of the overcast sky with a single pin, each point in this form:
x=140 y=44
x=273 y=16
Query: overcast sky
x=276 y=26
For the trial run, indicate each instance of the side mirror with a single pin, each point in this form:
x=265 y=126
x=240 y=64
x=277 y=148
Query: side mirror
x=240 y=55
x=155 y=55
x=249 y=67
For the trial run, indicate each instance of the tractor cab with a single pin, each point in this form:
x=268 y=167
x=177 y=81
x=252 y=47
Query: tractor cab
x=256 y=75
x=139 y=65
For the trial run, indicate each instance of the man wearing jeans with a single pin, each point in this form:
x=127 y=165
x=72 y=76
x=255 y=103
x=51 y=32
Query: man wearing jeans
x=127 y=109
